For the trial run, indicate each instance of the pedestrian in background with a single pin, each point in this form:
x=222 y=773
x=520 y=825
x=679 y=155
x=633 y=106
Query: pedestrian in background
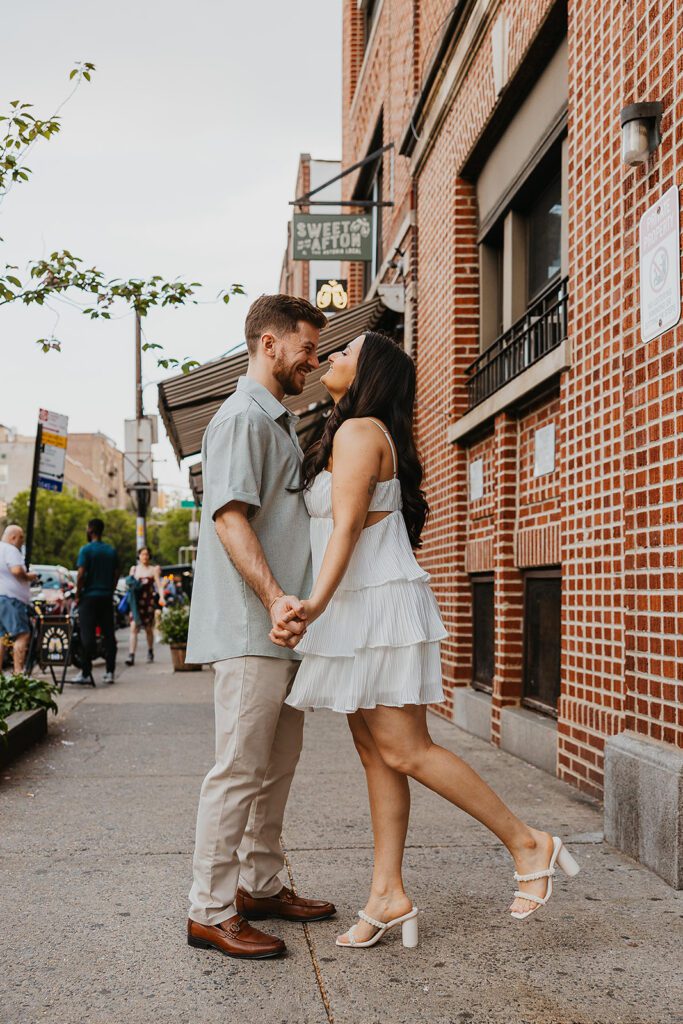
x=98 y=571
x=15 y=594
x=145 y=591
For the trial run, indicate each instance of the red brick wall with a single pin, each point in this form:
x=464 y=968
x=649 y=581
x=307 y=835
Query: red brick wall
x=386 y=87
x=623 y=537
x=611 y=510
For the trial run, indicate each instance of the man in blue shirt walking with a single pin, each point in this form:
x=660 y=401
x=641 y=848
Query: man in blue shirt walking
x=98 y=572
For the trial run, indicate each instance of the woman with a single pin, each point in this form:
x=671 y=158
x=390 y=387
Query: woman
x=371 y=647
x=144 y=588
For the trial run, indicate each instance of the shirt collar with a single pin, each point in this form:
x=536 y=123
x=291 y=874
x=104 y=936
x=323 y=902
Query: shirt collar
x=265 y=398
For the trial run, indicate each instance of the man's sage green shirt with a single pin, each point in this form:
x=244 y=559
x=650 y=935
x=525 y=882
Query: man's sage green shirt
x=250 y=453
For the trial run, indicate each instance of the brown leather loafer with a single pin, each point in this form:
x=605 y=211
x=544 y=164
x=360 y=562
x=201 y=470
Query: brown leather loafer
x=285 y=905
x=234 y=937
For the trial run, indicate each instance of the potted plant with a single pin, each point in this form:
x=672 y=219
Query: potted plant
x=173 y=629
x=24 y=704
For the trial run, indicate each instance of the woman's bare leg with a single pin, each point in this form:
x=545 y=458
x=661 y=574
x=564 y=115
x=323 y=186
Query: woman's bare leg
x=389 y=797
x=133 y=639
x=403 y=741
x=149 y=630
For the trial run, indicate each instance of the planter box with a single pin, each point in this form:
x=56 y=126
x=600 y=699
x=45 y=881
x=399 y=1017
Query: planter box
x=25 y=729
x=178 y=659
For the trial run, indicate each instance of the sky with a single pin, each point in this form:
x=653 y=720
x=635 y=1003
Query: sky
x=179 y=159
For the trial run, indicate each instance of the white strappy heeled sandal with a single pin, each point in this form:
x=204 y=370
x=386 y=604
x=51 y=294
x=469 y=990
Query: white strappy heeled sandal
x=564 y=860
x=408 y=930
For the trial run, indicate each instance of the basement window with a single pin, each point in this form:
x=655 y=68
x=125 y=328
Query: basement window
x=542 y=640
x=483 y=656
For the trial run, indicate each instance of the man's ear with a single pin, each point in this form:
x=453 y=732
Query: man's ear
x=268 y=344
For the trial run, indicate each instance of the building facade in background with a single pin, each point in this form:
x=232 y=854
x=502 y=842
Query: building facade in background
x=307 y=278
x=552 y=434
x=93 y=470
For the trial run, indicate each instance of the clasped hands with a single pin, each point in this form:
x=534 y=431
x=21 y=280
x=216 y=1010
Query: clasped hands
x=290 y=617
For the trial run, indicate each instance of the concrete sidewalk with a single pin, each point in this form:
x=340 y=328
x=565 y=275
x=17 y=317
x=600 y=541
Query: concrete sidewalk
x=97 y=834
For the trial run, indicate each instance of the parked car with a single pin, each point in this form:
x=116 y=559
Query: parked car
x=54 y=591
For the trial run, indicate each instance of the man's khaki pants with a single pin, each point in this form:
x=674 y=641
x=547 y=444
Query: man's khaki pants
x=242 y=801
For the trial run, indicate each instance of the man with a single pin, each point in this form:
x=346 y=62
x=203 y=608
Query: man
x=98 y=573
x=15 y=594
x=253 y=566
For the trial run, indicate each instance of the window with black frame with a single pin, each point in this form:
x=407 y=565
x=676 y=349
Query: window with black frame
x=483 y=619
x=542 y=640
x=545 y=239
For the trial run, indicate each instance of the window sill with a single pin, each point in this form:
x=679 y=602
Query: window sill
x=511 y=393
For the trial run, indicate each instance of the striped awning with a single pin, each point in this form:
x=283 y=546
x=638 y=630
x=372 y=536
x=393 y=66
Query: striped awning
x=187 y=402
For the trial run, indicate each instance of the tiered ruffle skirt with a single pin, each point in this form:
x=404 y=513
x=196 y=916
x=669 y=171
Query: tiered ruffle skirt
x=378 y=640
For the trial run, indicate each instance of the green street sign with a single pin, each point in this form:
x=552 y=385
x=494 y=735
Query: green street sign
x=187 y=504
x=328 y=236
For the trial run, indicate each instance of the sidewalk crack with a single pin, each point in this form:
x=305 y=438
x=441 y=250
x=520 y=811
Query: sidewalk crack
x=311 y=945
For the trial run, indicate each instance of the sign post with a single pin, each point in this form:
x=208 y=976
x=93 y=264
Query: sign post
x=49 y=458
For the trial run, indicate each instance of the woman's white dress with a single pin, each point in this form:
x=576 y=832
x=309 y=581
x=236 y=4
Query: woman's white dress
x=377 y=642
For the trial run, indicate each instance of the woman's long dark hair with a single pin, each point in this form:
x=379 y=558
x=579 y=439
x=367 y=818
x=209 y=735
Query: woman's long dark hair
x=384 y=388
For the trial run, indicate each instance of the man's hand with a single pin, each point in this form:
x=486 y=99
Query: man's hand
x=288 y=617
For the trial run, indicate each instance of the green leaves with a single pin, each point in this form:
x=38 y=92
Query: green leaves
x=82 y=69
x=51 y=279
x=21 y=693
x=174 y=625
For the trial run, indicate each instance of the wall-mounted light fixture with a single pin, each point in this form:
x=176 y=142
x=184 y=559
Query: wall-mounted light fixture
x=640 y=134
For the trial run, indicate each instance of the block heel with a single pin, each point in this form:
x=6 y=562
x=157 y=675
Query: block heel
x=566 y=862
x=409 y=933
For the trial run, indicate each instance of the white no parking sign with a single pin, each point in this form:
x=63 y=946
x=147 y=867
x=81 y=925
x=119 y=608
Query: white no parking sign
x=660 y=266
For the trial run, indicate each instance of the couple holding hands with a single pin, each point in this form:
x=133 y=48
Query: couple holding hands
x=338 y=524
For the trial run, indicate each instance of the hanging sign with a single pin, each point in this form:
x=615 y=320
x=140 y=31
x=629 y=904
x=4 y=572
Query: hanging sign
x=332 y=295
x=660 y=266
x=328 y=236
x=52 y=450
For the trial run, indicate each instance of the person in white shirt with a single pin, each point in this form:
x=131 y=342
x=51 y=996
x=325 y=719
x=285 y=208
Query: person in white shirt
x=15 y=594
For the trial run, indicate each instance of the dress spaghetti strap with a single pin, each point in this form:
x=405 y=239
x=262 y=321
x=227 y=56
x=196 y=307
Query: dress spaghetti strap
x=390 y=440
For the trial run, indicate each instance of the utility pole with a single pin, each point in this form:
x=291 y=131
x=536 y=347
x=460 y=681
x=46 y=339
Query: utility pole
x=138 y=368
x=141 y=491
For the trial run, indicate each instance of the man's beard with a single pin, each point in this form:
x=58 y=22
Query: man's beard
x=288 y=378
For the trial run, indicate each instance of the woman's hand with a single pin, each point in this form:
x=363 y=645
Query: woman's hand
x=312 y=609
x=308 y=611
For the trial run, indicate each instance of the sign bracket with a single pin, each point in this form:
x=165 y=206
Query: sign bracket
x=304 y=200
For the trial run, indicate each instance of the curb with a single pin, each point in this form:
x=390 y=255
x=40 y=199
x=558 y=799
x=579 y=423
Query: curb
x=25 y=729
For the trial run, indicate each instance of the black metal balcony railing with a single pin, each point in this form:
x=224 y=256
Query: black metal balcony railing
x=542 y=328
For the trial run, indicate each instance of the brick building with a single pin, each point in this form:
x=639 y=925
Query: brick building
x=551 y=433
x=93 y=468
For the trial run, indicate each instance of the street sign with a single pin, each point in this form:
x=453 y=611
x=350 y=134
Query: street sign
x=140 y=435
x=329 y=236
x=188 y=504
x=660 y=266
x=52 y=450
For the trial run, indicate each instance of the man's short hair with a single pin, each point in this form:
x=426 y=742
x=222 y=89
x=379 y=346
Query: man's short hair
x=279 y=314
x=96 y=526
